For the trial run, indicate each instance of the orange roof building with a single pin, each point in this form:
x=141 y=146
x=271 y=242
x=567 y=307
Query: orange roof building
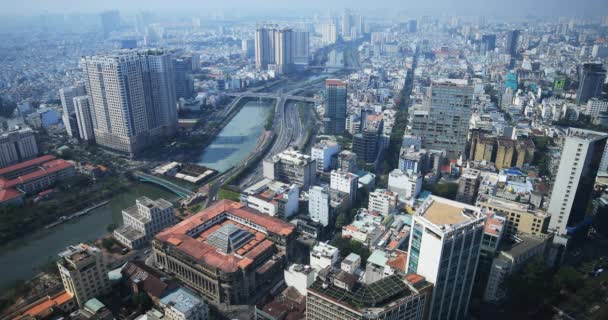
x=229 y=253
x=32 y=176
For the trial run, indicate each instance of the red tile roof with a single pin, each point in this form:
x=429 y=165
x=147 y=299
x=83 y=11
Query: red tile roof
x=335 y=82
x=25 y=164
x=45 y=169
x=178 y=237
x=399 y=262
x=9 y=194
x=46 y=305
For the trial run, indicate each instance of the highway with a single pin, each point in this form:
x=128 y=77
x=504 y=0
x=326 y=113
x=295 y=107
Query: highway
x=274 y=96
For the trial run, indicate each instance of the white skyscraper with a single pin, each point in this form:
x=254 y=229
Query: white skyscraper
x=264 y=46
x=301 y=44
x=318 y=205
x=67 y=103
x=329 y=33
x=84 y=118
x=579 y=162
x=444 y=248
x=132 y=96
x=284 y=50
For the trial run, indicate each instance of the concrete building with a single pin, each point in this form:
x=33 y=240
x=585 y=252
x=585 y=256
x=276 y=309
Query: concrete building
x=183 y=304
x=275 y=49
x=382 y=201
x=406 y=185
x=301 y=48
x=346 y=182
x=264 y=46
x=468 y=185
x=443 y=123
x=83 y=272
x=337 y=295
x=228 y=253
x=524 y=152
x=376 y=267
x=365 y=144
x=17 y=145
x=596 y=106
x=329 y=33
x=505 y=151
x=334 y=118
x=351 y=263
x=579 y=162
x=512 y=43
x=67 y=96
x=182 y=68
x=32 y=176
x=446 y=230
x=143 y=221
x=300 y=277
x=591 y=82
x=248 y=48
x=291 y=167
x=347 y=161
x=366 y=227
x=323 y=152
x=520 y=217
x=324 y=255
x=132 y=97
x=273 y=198
x=412 y=159
x=318 y=205
x=284 y=53
x=84 y=118
x=493 y=235
x=488 y=43
x=514 y=254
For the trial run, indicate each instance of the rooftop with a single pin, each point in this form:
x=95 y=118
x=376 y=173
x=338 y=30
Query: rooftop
x=521 y=244
x=377 y=294
x=441 y=211
x=195 y=236
x=181 y=299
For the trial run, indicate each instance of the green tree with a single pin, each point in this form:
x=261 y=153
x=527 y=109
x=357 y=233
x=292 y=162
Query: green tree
x=524 y=288
x=341 y=220
x=568 y=278
x=107 y=243
x=7 y=107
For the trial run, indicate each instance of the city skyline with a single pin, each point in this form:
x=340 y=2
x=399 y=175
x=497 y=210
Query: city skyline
x=467 y=7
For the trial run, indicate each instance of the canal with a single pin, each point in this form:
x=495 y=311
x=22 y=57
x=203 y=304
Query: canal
x=239 y=137
x=24 y=258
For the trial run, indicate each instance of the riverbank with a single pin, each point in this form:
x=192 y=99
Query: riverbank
x=18 y=222
x=25 y=257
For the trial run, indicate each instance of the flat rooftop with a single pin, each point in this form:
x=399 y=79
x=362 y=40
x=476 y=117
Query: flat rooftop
x=441 y=211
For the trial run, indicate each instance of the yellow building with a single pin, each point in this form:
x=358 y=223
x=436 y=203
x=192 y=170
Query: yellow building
x=484 y=149
x=522 y=218
x=524 y=150
x=505 y=150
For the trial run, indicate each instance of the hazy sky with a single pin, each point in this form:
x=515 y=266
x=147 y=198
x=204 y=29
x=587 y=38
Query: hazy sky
x=460 y=7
